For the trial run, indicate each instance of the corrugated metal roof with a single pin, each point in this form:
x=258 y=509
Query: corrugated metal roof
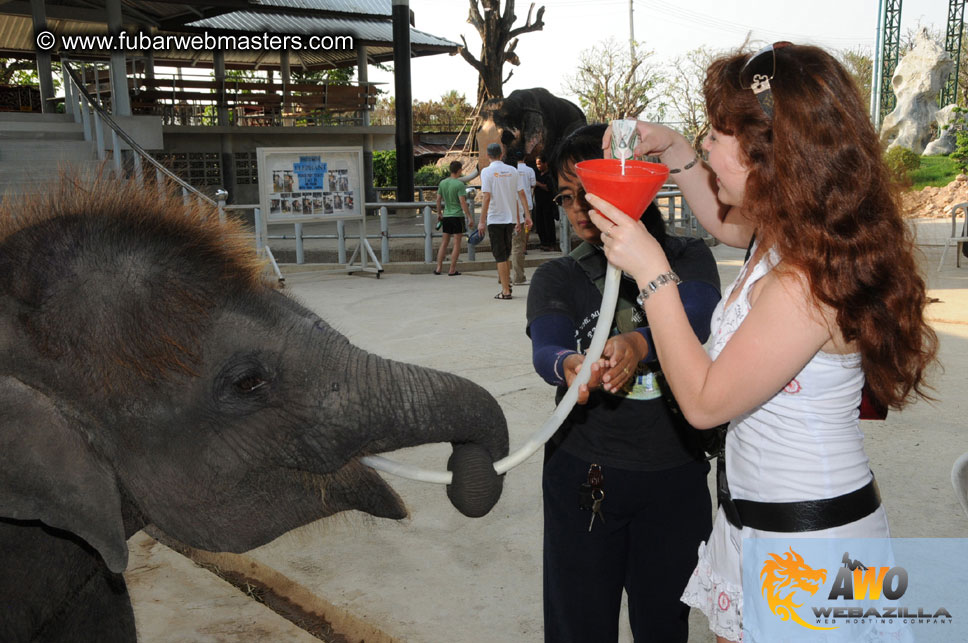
x=369 y=7
x=16 y=33
x=368 y=31
x=430 y=149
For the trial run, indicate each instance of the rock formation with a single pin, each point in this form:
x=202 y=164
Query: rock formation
x=917 y=82
x=947 y=133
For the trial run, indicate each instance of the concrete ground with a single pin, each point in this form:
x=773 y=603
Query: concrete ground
x=440 y=577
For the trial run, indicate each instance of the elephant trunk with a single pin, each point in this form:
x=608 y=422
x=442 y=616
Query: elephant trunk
x=420 y=405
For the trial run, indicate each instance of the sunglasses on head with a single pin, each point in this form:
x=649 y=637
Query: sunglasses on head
x=757 y=73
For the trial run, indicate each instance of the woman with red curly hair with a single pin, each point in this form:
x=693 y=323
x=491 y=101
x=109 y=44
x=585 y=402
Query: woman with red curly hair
x=830 y=298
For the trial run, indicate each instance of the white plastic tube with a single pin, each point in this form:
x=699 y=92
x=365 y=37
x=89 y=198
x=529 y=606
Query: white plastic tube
x=602 y=329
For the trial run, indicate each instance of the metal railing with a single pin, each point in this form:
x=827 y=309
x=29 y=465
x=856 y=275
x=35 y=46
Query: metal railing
x=197 y=100
x=423 y=210
x=89 y=111
x=678 y=215
x=420 y=192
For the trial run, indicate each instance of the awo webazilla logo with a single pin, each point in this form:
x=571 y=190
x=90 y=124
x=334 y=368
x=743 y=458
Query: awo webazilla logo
x=798 y=591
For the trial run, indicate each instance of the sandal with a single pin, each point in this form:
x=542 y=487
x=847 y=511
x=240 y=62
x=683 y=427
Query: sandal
x=436 y=272
x=453 y=274
x=501 y=295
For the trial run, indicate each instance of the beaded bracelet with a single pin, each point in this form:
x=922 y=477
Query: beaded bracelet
x=663 y=279
x=686 y=166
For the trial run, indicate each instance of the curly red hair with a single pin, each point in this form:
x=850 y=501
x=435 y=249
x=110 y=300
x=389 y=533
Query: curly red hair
x=819 y=193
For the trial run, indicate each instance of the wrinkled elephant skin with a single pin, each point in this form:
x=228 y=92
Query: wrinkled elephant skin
x=149 y=375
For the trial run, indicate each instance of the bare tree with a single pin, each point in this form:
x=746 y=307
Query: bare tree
x=450 y=113
x=613 y=83
x=687 y=105
x=499 y=38
x=860 y=64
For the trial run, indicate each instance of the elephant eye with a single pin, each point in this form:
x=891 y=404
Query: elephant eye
x=249 y=383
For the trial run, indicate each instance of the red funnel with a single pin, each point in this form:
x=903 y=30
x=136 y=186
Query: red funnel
x=632 y=192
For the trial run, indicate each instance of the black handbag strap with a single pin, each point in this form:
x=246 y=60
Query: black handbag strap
x=628 y=316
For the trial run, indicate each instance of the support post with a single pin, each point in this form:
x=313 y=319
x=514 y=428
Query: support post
x=341 y=244
x=952 y=44
x=404 y=98
x=428 y=235
x=877 y=67
x=890 y=48
x=221 y=110
x=384 y=235
x=284 y=75
x=38 y=12
x=99 y=135
x=220 y=196
x=117 y=155
x=120 y=101
x=362 y=73
x=68 y=91
x=631 y=33
x=300 y=252
x=139 y=172
x=471 y=250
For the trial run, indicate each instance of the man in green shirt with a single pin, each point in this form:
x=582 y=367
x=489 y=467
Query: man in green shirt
x=453 y=193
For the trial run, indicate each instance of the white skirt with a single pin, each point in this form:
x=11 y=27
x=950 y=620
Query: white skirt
x=716 y=585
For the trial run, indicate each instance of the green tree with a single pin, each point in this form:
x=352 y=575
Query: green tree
x=384 y=168
x=960 y=155
x=612 y=82
x=338 y=76
x=430 y=175
x=17 y=71
x=901 y=162
x=23 y=71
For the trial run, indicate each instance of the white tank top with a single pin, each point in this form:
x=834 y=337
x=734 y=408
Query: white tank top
x=805 y=442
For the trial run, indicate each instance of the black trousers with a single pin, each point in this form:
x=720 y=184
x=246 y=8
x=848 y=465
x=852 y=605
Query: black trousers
x=648 y=546
x=544 y=224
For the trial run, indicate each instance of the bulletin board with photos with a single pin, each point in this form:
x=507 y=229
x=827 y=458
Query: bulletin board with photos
x=299 y=185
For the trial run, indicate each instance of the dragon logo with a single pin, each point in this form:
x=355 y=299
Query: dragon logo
x=782 y=578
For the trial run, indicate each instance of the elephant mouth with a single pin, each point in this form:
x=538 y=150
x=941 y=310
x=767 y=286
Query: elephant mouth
x=357 y=486
x=283 y=498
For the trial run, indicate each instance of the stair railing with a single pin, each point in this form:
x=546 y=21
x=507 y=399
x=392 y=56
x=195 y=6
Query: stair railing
x=88 y=110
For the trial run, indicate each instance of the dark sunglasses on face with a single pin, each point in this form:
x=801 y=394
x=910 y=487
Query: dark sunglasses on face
x=757 y=73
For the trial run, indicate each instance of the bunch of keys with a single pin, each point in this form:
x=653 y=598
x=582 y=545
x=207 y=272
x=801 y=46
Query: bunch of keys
x=591 y=494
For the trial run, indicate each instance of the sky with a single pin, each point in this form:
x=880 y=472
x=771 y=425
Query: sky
x=669 y=28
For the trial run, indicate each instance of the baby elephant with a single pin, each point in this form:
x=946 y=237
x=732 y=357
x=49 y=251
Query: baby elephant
x=149 y=375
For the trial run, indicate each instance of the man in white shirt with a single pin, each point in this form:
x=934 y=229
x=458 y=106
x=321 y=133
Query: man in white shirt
x=503 y=202
x=519 y=243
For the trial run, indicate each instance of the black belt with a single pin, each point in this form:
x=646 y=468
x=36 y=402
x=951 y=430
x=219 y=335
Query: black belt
x=806 y=515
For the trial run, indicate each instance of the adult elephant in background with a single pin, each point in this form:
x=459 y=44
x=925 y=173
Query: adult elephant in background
x=148 y=375
x=527 y=121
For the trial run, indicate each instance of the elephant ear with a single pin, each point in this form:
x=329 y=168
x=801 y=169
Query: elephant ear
x=533 y=130
x=49 y=472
